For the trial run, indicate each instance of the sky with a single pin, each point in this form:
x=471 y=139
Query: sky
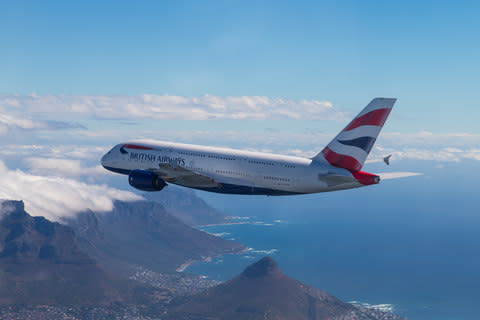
x=346 y=52
x=277 y=76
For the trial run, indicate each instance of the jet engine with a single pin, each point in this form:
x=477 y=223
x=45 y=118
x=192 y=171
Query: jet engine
x=145 y=180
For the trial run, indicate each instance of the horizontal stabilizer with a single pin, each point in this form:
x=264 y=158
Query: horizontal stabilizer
x=396 y=175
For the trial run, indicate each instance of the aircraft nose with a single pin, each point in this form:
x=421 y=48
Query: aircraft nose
x=103 y=161
x=106 y=160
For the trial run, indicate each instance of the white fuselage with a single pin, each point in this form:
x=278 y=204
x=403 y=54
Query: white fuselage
x=231 y=171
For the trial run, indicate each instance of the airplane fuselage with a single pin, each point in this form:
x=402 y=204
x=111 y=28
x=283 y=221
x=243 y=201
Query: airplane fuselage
x=231 y=171
x=151 y=165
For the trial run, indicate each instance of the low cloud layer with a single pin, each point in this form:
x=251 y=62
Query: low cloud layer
x=12 y=123
x=448 y=154
x=57 y=197
x=426 y=138
x=79 y=152
x=150 y=106
x=66 y=168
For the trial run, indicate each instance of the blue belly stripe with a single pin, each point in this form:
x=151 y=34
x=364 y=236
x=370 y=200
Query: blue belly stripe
x=246 y=190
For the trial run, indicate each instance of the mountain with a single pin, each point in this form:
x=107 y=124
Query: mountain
x=143 y=233
x=41 y=263
x=262 y=291
x=185 y=205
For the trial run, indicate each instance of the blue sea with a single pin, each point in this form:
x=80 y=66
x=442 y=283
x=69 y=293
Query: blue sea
x=411 y=244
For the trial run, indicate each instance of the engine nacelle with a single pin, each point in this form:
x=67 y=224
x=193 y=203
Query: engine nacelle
x=145 y=180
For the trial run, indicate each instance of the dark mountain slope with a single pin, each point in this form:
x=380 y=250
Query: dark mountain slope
x=144 y=234
x=262 y=291
x=40 y=263
x=185 y=205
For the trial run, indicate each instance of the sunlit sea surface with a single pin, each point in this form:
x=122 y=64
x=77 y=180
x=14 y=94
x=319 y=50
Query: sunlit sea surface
x=411 y=246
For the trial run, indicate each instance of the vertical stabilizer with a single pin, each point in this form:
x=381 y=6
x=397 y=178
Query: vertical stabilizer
x=351 y=146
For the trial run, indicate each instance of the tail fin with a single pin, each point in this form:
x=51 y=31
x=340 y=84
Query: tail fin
x=351 y=146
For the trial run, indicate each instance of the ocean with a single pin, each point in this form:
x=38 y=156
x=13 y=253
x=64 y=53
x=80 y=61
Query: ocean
x=411 y=246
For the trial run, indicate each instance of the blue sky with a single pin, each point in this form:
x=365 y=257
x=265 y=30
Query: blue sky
x=425 y=53
x=79 y=77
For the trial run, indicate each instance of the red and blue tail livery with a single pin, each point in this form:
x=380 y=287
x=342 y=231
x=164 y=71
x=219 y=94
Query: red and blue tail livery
x=151 y=165
x=350 y=148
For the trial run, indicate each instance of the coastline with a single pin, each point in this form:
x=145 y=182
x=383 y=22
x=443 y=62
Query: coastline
x=260 y=223
x=228 y=221
x=184 y=266
x=189 y=263
x=231 y=221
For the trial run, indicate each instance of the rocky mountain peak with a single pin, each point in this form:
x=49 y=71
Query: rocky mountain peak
x=12 y=207
x=266 y=267
x=35 y=239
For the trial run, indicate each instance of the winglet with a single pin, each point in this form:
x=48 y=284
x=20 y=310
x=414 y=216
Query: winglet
x=387 y=159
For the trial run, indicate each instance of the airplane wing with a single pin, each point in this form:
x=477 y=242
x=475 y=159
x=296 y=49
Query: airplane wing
x=183 y=176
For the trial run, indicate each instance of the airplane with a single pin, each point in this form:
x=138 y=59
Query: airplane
x=151 y=165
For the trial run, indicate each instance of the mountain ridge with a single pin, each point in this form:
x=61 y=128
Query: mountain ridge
x=185 y=205
x=262 y=291
x=40 y=263
x=144 y=233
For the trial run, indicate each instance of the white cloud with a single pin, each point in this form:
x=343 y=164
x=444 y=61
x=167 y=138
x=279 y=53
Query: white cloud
x=56 y=197
x=150 y=106
x=12 y=122
x=425 y=138
x=57 y=151
x=67 y=168
x=473 y=154
x=306 y=142
x=446 y=147
x=446 y=154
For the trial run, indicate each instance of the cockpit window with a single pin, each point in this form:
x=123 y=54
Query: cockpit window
x=122 y=150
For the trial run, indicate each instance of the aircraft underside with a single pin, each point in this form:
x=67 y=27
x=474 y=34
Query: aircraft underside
x=246 y=190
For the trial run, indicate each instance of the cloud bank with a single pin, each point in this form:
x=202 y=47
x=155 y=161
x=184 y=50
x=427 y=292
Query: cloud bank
x=57 y=197
x=70 y=151
x=446 y=154
x=61 y=167
x=150 y=106
x=32 y=113
x=11 y=123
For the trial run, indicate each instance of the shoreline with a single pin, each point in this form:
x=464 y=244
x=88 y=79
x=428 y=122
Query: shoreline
x=261 y=223
x=189 y=263
x=184 y=266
